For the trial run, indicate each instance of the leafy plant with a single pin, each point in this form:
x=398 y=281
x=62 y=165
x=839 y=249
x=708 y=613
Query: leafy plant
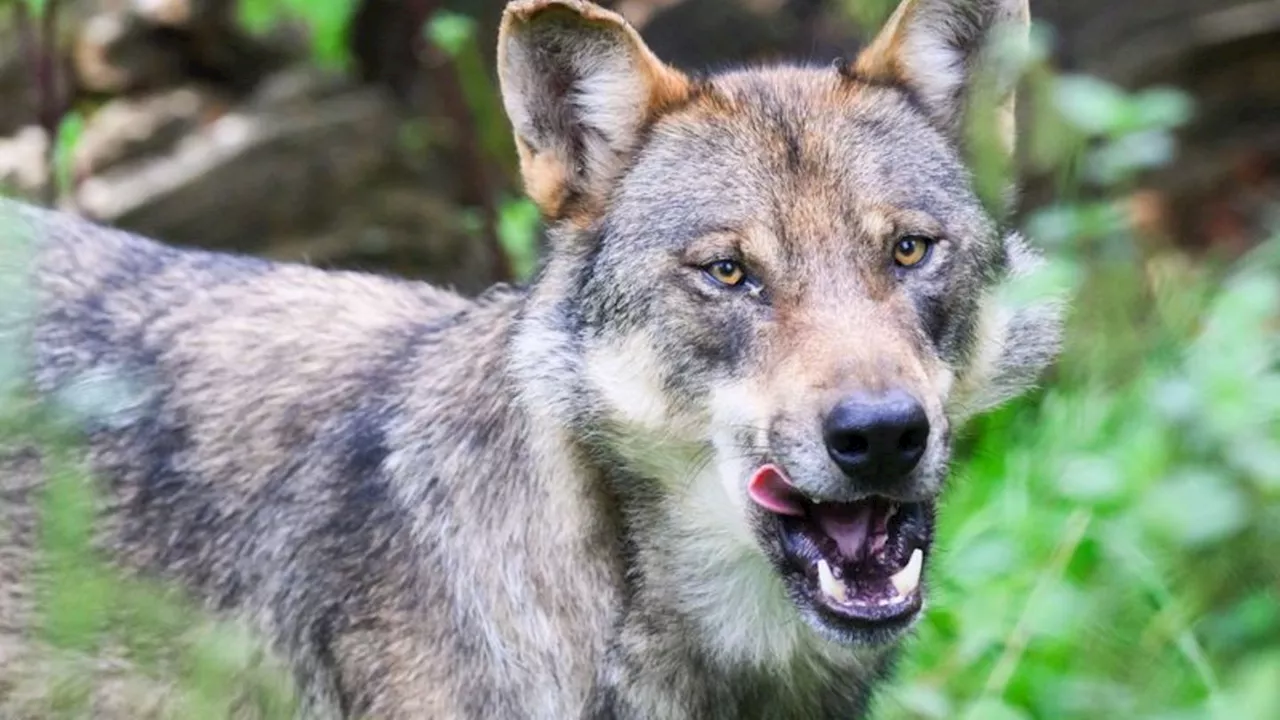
x=1108 y=543
x=326 y=21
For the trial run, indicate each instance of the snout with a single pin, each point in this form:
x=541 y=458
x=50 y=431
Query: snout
x=848 y=509
x=877 y=440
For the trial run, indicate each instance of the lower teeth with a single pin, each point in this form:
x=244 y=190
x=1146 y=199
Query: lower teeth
x=831 y=587
x=906 y=580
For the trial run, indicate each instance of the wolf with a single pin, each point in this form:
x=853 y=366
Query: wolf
x=689 y=470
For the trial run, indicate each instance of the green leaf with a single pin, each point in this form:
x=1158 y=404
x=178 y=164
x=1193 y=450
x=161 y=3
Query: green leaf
x=258 y=16
x=1127 y=155
x=1090 y=479
x=1062 y=225
x=1163 y=108
x=1254 y=690
x=1255 y=619
x=982 y=561
x=518 y=222
x=1196 y=508
x=1091 y=104
x=329 y=21
x=1059 y=612
x=1258 y=457
x=924 y=701
x=68 y=137
x=453 y=32
x=995 y=709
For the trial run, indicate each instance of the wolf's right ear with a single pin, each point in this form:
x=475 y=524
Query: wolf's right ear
x=578 y=84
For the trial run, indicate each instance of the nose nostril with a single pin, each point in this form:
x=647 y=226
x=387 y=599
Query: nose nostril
x=913 y=440
x=850 y=444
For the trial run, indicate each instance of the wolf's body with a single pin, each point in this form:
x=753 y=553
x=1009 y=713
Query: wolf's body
x=276 y=457
x=533 y=503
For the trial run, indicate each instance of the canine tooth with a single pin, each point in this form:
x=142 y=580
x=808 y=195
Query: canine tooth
x=908 y=578
x=831 y=587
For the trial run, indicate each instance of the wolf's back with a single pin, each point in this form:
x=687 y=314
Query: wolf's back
x=234 y=412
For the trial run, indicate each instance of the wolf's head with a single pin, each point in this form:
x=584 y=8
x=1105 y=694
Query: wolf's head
x=770 y=292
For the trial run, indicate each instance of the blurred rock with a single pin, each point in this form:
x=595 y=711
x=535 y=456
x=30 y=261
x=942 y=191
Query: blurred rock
x=275 y=170
x=114 y=53
x=392 y=225
x=183 y=13
x=308 y=168
x=709 y=34
x=17 y=106
x=296 y=87
x=19 y=99
x=1134 y=41
x=23 y=165
x=127 y=129
x=157 y=44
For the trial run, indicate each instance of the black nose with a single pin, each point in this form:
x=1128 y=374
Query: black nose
x=877 y=439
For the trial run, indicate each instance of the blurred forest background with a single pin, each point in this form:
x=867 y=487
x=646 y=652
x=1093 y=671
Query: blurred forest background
x=1110 y=543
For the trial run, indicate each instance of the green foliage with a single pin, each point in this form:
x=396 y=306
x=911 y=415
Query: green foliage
x=326 y=21
x=518 y=218
x=200 y=668
x=1108 y=547
x=35 y=6
x=69 y=131
x=210 y=669
x=869 y=14
x=518 y=223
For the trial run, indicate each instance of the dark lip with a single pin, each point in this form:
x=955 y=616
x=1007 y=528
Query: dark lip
x=855 y=623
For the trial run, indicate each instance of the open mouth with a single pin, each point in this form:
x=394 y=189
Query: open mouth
x=857 y=565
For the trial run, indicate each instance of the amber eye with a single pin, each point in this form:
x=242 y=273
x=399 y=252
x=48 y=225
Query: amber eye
x=726 y=272
x=911 y=250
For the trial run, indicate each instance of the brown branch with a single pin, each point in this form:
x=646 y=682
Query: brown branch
x=40 y=52
x=52 y=107
x=389 y=42
x=473 y=164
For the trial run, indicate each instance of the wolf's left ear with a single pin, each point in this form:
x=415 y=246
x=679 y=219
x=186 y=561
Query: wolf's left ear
x=578 y=84
x=934 y=48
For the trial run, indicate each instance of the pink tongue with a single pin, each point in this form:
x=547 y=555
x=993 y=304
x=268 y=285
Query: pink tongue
x=847 y=524
x=770 y=490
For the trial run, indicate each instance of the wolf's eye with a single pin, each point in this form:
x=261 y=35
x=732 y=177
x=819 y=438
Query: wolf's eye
x=726 y=272
x=911 y=250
